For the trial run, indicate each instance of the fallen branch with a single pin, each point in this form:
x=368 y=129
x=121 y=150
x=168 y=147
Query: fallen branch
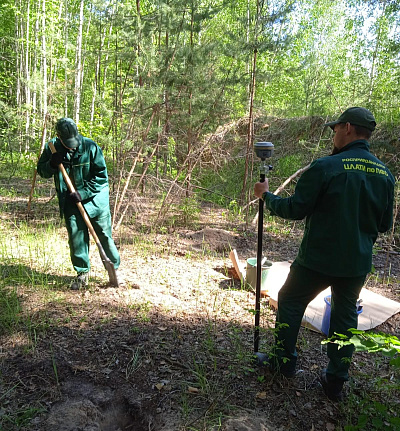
x=292 y=177
x=212 y=191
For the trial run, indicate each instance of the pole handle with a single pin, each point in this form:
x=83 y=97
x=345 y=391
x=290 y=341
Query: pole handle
x=259 y=268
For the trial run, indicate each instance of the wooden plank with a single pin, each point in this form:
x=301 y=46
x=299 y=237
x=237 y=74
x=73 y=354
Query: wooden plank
x=236 y=264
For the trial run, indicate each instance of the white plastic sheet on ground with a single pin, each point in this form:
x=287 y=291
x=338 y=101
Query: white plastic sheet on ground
x=376 y=308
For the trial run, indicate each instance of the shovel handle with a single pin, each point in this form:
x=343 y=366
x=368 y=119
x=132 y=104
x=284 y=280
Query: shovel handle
x=72 y=189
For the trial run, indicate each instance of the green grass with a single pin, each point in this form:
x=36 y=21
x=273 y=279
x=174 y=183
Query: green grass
x=35 y=252
x=33 y=258
x=10 y=309
x=9 y=192
x=142 y=310
x=21 y=417
x=134 y=364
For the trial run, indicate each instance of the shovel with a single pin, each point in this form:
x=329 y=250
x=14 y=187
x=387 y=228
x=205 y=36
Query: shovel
x=108 y=265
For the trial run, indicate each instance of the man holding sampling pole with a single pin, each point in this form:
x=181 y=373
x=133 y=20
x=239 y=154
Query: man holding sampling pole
x=80 y=176
x=346 y=199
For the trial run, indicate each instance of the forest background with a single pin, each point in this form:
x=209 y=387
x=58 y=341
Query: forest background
x=176 y=93
x=158 y=84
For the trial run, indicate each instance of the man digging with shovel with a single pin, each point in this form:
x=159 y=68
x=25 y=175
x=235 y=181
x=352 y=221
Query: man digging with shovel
x=80 y=176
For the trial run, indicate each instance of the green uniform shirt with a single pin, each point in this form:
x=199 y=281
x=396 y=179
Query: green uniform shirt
x=346 y=198
x=87 y=168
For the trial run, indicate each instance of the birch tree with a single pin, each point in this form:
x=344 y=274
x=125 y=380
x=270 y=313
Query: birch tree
x=44 y=60
x=78 y=65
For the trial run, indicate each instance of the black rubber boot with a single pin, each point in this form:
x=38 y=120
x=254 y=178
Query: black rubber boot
x=263 y=360
x=332 y=386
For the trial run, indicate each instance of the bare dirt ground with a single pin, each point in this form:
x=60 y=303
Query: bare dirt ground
x=171 y=350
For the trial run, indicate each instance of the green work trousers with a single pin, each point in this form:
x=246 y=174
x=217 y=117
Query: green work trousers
x=78 y=238
x=301 y=287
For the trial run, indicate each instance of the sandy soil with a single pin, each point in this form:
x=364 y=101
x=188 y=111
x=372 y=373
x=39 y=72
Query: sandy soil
x=171 y=349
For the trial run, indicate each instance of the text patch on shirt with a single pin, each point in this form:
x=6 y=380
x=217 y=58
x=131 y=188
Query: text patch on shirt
x=364 y=165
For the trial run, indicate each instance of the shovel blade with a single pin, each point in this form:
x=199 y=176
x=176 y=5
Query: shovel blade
x=112 y=273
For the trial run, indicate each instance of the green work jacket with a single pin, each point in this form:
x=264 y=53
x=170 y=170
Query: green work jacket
x=346 y=199
x=88 y=172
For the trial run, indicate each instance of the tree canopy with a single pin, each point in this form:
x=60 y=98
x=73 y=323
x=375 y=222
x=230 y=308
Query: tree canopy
x=139 y=75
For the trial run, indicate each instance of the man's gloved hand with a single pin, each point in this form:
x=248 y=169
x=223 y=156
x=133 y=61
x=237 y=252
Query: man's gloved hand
x=75 y=197
x=56 y=159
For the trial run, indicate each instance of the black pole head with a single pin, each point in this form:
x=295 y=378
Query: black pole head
x=264 y=150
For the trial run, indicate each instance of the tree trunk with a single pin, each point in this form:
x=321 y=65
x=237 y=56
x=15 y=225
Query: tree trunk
x=78 y=67
x=44 y=60
x=250 y=129
x=65 y=61
x=96 y=82
x=27 y=78
x=167 y=110
x=35 y=65
x=375 y=56
x=18 y=66
x=189 y=131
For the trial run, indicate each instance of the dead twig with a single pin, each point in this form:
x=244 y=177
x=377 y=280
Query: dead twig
x=119 y=201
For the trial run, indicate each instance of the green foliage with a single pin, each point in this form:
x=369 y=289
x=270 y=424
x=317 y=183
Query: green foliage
x=371 y=413
x=223 y=185
x=187 y=212
x=388 y=345
x=375 y=416
x=171 y=73
x=16 y=164
x=234 y=212
x=10 y=309
x=142 y=310
x=288 y=165
x=167 y=162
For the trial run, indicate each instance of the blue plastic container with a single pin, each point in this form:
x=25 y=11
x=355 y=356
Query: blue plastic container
x=326 y=319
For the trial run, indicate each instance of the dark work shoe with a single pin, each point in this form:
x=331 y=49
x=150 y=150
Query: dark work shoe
x=332 y=387
x=81 y=281
x=263 y=360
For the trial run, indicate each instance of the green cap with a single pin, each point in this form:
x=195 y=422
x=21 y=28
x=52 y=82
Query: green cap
x=357 y=116
x=68 y=132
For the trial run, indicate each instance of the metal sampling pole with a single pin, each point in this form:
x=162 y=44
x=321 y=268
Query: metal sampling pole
x=263 y=150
